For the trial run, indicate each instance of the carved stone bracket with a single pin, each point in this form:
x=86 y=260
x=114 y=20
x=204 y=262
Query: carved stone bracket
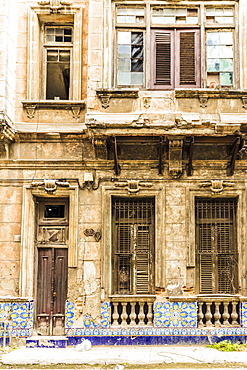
x=55 y=5
x=175 y=157
x=244 y=101
x=216 y=186
x=147 y=102
x=49 y=185
x=30 y=109
x=76 y=112
x=203 y=98
x=105 y=95
x=133 y=186
x=7 y=134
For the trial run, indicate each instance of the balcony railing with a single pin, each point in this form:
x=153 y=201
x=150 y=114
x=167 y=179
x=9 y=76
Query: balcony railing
x=218 y=311
x=132 y=310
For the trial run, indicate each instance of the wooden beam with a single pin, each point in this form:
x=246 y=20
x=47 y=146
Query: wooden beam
x=191 y=149
x=234 y=152
x=160 y=155
x=117 y=168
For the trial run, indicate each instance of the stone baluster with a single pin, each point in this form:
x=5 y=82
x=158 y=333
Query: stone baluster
x=150 y=313
x=124 y=315
x=200 y=315
x=132 y=315
x=234 y=314
x=141 y=315
x=225 y=314
x=115 y=315
x=217 y=314
x=208 y=314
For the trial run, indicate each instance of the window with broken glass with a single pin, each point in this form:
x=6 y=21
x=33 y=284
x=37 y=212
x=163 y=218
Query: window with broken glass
x=133 y=245
x=58 y=50
x=169 y=40
x=217 y=258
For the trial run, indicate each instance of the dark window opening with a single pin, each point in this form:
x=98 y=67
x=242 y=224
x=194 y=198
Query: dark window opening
x=54 y=211
x=216 y=246
x=58 y=74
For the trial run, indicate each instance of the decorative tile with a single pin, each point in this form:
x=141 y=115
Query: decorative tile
x=243 y=314
x=4 y=310
x=106 y=314
x=175 y=314
x=69 y=314
x=20 y=315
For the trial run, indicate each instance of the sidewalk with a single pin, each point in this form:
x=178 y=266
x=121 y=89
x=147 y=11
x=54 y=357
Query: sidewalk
x=136 y=355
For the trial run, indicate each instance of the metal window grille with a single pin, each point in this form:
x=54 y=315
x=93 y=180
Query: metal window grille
x=216 y=245
x=133 y=245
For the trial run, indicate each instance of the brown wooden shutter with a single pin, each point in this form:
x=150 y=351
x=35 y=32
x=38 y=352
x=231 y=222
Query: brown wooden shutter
x=187 y=58
x=162 y=56
x=142 y=253
x=216 y=249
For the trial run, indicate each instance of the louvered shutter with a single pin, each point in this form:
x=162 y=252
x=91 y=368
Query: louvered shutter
x=205 y=259
x=162 y=57
x=123 y=258
x=187 y=59
x=142 y=255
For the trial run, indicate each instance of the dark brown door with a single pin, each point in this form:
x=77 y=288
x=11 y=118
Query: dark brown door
x=52 y=290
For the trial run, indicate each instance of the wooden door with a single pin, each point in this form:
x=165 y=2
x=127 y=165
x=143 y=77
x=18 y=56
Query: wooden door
x=52 y=290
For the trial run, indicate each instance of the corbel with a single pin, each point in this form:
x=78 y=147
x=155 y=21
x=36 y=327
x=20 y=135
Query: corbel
x=30 y=109
x=55 y=5
x=216 y=186
x=147 y=102
x=175 y=156
x=105 y=101
x=244 y=101
x=100 y=147
x=203 y=98
x=133 y=186
x=76 y=111
x=106 y=94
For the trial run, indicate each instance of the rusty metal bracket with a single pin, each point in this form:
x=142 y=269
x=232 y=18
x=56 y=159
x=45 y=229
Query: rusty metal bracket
x=191 y=150
x=235 y=148
x=160 y=155
x=117 y=168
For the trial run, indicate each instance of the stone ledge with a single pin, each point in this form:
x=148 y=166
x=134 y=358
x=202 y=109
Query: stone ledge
x=74 y=105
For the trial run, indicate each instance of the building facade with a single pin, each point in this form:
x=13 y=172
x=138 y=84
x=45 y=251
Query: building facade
x=123 y=170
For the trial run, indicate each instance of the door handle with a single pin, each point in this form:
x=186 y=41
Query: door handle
x=54 y=294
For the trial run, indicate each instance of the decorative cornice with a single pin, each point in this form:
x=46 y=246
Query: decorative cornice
x=106 y=94
x=50 y=185
x=133 y=186
x=74 y=105
x=211 y=93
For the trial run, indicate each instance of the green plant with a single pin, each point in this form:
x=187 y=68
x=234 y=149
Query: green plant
x=228 y=346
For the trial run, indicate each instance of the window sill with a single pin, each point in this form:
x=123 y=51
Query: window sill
x=74 y=105
x=106 y=94
x=204 y=94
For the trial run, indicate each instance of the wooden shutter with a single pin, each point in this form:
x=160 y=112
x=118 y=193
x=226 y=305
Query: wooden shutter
x=187 y=59
x=162 y=59
x=216 y=249
x=142 y=255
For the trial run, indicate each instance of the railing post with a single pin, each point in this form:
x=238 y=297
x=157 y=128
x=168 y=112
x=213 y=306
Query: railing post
x=234 y=315
x=150 y=313
x=200 y=315
x=132 y=315
x=225 y=314
x=115 y=314
x=124 y=313
x=217 y=314
x=208 y=314
x=141 y=315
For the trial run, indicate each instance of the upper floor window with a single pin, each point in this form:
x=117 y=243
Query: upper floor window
x=58 y=50
x=175 y=47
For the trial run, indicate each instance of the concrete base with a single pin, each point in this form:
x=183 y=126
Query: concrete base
x=46 y=342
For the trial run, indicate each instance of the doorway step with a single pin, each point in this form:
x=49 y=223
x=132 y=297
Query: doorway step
x=41 y=341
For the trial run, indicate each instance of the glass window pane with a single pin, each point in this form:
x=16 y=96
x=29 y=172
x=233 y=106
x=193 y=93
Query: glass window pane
x=59 y=31
x=121 y=19
x=130 y=19
x=169 y=11
x=64 y=56
x=124 y=78
x=192 y=20
x=124 y=51
x=226 y=38
x=124 y=37
x=226 y=78
x=213 y=65
x=50 y=31
x=136 y=78
x=213 y=51
x=210 y=11
x=226 y=65
x=52 y=55
x=137 y=38
x=181 y=12
x=124 y=65
x=226 y=51
x=50 y=38
x=136 y=65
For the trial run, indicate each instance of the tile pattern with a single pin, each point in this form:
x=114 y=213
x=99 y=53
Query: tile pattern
x=175 y=314
x=243 y=314
x=21 y=318
x=69 y=314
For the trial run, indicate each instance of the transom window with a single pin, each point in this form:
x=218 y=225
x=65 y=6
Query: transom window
x=175 y=47
x=217 y=257
x=133 y=245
